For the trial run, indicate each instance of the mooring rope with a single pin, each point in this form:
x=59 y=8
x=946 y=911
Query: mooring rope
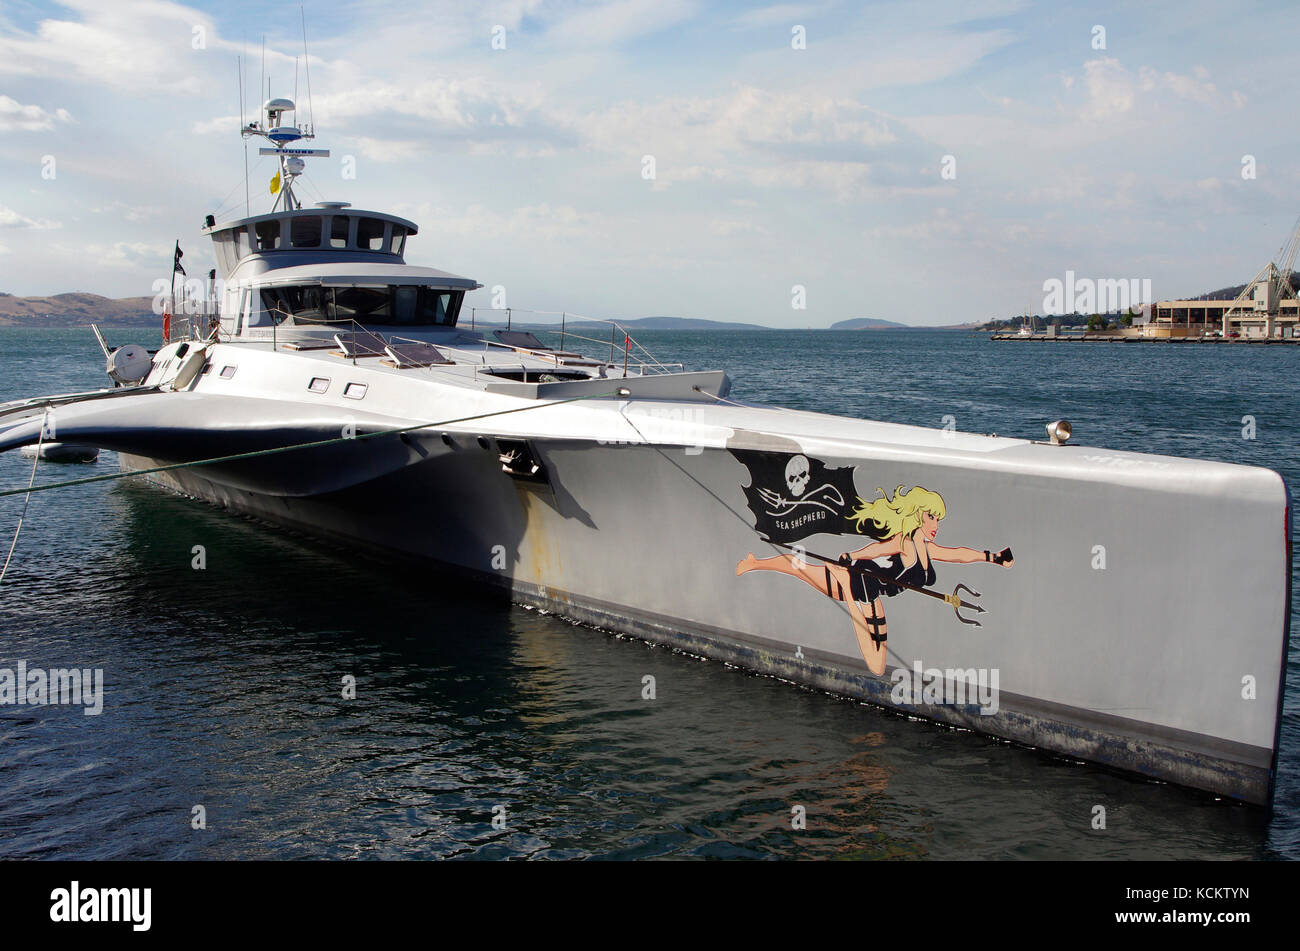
x=40 y=440
x=256 y=453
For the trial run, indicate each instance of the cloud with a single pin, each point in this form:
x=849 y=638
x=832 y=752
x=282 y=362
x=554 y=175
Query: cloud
x=1185 y=87
x=132 y=213
x=389 y=150
x=609 y=24
x=541 y=222
x=138 y=45
x=127 y=255
x=1110 y=89
x=767 y=139
x=11 y=219
x=16 y=117
x=784 y=14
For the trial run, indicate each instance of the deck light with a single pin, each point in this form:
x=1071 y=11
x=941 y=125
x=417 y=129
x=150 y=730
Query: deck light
x=1059 y=432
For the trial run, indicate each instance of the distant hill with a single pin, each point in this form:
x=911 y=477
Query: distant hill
x=687 y=323
x=80 y=309
x=869 y=323
x=1230 y=293
x=75 y=310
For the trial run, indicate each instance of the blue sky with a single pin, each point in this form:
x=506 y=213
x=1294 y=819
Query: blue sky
x=774 y=167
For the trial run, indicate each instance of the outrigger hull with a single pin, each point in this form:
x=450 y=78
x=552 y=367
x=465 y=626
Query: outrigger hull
x=1142 y=624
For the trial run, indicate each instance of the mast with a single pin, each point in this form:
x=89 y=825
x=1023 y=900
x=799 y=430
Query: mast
x=282 y=135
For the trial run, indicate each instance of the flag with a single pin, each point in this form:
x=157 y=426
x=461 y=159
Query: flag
x=275 y=184
x=793 y=496
x=176 y=260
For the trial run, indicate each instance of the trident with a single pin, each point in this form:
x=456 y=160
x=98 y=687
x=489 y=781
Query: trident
x=954 y=600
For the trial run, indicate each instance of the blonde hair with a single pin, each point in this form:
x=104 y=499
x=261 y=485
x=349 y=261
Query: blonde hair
x=885 y=517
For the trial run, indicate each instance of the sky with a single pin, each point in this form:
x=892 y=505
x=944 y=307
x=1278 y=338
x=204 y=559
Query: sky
x=792 y=164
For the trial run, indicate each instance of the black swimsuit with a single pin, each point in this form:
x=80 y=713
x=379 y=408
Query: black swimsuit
x=868 y=587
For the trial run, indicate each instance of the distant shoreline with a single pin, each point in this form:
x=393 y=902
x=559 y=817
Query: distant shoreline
x=79 y=309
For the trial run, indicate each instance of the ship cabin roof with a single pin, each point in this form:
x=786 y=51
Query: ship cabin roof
x=362 y=274
x=329 y=232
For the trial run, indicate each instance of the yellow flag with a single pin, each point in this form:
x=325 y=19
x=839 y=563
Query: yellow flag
x=275 y=184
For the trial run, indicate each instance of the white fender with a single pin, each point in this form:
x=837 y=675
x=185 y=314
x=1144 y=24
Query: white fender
x=194 y=361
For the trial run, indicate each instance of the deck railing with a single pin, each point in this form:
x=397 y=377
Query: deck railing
x=623 y=347
x=620 y=349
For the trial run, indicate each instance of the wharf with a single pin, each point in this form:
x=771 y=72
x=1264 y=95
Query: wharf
x=1123 y=338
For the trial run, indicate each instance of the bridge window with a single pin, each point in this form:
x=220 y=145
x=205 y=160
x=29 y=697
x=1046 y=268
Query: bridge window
x=370 y=234
x=393 y=305
x=305 y=232
x=306 y=305
x=268 y=235
x=363 y=304
x=398 y=242
x=243 y=246
x=339 y=231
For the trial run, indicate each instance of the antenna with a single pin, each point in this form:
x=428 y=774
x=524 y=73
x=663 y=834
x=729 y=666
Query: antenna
x=306 y=65
x=282 y=136
x=239 y=65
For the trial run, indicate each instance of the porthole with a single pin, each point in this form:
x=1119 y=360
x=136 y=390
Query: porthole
x=319 y=384
x=355 y=391
x=227 y=373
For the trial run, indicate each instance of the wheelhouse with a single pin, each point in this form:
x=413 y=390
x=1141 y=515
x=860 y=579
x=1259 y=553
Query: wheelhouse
x=330 y=228
x=324 y=269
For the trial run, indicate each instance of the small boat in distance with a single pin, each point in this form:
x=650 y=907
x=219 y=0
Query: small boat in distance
x=1068 y=598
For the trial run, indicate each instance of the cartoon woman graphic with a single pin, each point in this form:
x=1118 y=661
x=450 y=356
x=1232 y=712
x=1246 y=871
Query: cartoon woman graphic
x=904 y=528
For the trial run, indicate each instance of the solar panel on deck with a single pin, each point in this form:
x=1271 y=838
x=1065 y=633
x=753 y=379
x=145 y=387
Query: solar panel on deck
x=362 y=344
x=405 y=355
x=520 y=338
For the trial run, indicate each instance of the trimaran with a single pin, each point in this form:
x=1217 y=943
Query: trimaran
x=336 y=389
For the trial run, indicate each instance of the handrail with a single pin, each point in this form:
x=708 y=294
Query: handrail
x=646 y=361
x=564 y=332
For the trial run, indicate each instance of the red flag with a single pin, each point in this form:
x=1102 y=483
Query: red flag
x=167 y=326
x=627 y=342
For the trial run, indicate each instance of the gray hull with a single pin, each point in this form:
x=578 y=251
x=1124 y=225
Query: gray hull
x=1141 y=626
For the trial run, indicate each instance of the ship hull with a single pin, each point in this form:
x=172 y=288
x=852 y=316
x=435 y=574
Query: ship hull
x=1169 y=666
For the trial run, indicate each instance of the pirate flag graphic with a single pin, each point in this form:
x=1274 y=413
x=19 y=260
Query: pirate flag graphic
x=793 y=496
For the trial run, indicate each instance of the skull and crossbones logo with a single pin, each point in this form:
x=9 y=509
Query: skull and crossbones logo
x=797 y=475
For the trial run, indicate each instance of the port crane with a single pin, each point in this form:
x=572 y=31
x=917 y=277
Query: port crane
x=1263 y=296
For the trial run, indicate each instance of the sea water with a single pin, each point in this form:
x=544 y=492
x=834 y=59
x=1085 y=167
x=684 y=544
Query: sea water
x=481 y=729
